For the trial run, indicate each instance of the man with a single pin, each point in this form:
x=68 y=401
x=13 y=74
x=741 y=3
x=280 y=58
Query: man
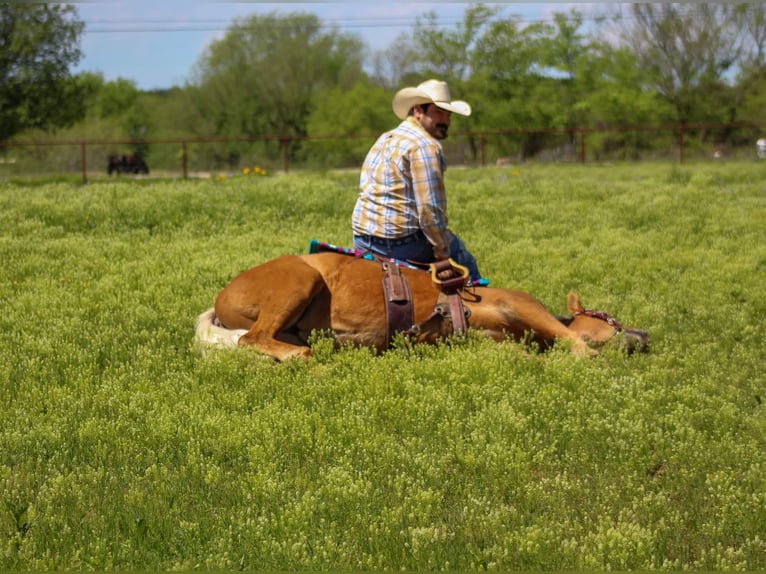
x=401 y=211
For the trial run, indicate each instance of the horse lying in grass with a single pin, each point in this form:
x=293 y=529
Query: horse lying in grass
x=275 y=306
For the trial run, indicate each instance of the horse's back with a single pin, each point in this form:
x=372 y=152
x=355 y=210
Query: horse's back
x=359 y=281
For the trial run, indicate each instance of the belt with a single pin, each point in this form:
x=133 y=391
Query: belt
x=393 y=241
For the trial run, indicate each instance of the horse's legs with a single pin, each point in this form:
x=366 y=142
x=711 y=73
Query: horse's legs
x=521 y=314
x=547 y=325
x=281 y=291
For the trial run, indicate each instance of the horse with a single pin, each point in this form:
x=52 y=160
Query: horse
x=126 y=164
x=275 y=306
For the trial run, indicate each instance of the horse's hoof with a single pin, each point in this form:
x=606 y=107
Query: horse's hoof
x=581 y=350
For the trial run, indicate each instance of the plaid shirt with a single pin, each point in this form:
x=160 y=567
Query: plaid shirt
x=402 y=188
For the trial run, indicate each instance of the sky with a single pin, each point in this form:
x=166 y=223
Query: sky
x=157 y=43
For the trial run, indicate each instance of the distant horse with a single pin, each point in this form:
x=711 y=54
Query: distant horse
x=126 y=164
x=275 y=306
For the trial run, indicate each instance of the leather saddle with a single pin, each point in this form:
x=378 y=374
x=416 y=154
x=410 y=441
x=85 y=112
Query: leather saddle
x=450 y=278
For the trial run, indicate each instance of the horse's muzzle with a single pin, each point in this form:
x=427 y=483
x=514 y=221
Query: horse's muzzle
x=635 y=340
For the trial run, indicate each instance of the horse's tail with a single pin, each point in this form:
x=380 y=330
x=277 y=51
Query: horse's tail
x=211 y=334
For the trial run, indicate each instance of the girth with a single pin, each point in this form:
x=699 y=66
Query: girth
x=400 y=314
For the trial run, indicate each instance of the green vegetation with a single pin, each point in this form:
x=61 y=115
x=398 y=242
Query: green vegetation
x=290 y=75
x=40 y=41
x=123 y=448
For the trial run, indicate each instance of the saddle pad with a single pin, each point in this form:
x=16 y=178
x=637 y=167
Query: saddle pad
x=316 y=246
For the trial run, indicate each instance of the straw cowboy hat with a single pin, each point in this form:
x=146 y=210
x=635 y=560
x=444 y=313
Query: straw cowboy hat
x=429 y=92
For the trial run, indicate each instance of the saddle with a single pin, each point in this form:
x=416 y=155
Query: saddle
x=450 y=277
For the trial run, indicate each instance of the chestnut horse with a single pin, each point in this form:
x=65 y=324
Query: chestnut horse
x=275 y=306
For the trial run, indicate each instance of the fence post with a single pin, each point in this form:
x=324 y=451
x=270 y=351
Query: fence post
x=184 y=161
x=681 y=144
x=83 y=164
x=582 y=145
x=285 y=143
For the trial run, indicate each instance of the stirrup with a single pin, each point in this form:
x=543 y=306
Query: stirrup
x=457 y=279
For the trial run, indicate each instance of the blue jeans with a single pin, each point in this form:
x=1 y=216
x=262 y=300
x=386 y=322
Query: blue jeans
x=418 y=250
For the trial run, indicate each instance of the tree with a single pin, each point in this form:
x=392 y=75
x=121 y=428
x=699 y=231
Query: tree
x=38 y=44
x=751 y=85
x=752 y=18
x=261 y=77
x=619 y=98
x=393 y=65
x=567 y=55
x=687 y=49
x=447 y=54
x=364 y=110
x=508 y=71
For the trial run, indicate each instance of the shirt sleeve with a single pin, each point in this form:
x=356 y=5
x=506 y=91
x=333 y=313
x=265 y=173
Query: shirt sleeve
x=427 y=168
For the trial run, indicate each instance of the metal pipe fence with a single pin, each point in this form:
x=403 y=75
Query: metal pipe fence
x=187 y=157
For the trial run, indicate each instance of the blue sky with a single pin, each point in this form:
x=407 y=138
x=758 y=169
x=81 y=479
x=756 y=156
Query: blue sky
x=156 y=43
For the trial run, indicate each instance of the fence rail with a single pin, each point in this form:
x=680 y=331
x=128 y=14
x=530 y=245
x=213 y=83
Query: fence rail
x=486 y=147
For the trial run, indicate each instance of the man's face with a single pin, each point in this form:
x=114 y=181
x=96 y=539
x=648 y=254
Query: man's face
x=434 y=120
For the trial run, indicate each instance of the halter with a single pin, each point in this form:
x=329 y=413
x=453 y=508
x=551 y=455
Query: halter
x=604 y=316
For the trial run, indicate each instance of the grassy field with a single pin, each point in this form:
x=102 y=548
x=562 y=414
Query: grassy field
x=122 y=448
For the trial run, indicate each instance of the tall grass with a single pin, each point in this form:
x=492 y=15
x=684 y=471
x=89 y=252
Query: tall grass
x=122 y=448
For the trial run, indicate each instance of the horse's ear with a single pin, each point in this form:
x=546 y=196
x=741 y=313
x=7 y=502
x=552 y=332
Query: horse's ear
x=573 y=302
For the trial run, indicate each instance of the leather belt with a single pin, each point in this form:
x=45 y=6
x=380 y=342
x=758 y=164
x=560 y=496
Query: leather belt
x=392 y=241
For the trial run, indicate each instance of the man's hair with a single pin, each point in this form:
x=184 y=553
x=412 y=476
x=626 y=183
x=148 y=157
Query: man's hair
x=423 y=108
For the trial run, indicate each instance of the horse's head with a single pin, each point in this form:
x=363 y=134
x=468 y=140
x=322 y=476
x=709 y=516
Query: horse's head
x=599 y=328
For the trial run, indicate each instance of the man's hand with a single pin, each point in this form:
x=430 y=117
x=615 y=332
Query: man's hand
x=441 y=253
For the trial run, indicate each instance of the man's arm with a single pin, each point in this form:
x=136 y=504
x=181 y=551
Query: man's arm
x=427 y=165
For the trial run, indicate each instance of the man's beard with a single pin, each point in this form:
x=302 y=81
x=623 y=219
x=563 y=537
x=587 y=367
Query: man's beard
x=442 y=130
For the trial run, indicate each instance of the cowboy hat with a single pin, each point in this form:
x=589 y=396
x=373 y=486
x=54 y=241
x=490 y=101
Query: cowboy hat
x=429 y=92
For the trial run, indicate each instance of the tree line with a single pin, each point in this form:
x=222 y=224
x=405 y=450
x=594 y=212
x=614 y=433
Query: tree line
x=289 y=74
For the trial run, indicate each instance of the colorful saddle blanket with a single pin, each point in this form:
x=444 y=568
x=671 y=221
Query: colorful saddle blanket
x=316 y=246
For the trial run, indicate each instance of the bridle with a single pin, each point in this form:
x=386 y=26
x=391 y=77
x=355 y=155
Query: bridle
x=641 y=337
x=604 y=316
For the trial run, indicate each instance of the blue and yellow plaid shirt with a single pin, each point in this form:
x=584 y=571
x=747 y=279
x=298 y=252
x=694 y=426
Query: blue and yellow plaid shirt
x=402 y=188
